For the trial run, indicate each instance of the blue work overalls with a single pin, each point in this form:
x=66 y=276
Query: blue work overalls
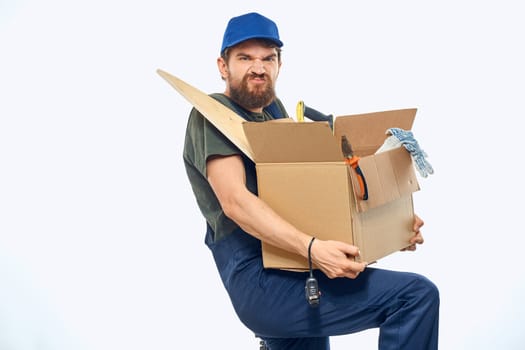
x=272 y=302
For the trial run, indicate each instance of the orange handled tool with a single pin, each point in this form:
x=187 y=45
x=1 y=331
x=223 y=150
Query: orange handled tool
x=353 y=161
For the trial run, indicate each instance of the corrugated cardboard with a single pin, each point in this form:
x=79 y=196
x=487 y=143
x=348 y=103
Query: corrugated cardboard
x=302 y=175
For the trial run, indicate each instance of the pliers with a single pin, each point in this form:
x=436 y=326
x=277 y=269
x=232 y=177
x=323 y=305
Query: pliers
x=353 y=161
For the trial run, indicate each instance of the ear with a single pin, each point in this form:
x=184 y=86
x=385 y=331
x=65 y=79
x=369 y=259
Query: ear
x=279 y=68
x=223 y=67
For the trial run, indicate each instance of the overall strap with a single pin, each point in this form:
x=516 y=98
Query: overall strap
x=275 y=110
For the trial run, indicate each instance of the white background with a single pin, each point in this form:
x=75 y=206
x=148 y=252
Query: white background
x=101 y=242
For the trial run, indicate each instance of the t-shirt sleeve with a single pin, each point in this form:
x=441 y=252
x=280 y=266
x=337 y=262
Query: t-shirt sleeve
x=204 y=140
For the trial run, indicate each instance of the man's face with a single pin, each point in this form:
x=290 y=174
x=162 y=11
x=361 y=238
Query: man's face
x=250 y=74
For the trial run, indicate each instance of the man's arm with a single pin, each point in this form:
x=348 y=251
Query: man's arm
x=226 y=176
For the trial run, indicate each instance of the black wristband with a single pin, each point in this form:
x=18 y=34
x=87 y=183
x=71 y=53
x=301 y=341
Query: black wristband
x=310 y=255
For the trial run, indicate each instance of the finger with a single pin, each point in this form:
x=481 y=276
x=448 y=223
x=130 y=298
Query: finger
x=352 y=274
x=350 y=250
x=355 y=268
x=417 y=239
x=418 y=223
x=411 y=247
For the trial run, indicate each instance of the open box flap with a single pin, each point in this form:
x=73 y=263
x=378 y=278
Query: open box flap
x=389 y=175
x=292 y=142
x=224 y=119
x=366 y=132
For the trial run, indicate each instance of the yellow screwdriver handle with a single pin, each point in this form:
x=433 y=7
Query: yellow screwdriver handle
x=299 y=111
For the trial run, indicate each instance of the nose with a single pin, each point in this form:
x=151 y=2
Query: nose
x=258 y=67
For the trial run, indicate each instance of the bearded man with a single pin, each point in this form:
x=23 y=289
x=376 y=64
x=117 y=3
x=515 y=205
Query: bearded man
x=271 y=302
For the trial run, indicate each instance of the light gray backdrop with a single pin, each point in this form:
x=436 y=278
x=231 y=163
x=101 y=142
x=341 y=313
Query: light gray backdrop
x=101 y=243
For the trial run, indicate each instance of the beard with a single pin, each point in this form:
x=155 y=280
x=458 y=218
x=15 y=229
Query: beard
x=259 y=97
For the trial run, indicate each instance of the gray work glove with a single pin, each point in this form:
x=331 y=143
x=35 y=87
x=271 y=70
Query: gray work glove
x=406 y=138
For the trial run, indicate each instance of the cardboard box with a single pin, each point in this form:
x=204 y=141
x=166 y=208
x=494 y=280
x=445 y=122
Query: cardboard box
x=302 y=175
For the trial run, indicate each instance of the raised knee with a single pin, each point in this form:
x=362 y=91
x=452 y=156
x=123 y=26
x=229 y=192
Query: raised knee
x=429 y=291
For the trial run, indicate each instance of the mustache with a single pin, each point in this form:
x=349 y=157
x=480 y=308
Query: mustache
x=260 y=76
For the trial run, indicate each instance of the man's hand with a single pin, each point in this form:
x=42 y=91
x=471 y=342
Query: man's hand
x=418 y=237
x=336 y=259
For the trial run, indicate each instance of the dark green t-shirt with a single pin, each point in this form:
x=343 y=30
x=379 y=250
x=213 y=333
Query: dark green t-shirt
x=202 y=141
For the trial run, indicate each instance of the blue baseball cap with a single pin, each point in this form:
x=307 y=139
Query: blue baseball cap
x=250 y=26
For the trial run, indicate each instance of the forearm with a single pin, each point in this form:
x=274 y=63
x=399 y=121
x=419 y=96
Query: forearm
x=255 y=217
x=226 y=176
